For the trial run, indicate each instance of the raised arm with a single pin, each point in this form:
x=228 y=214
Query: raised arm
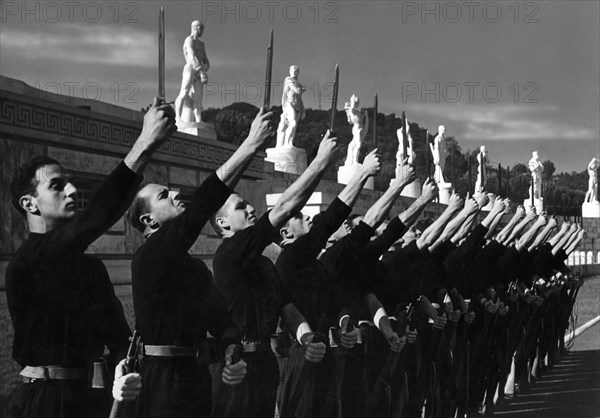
x=380 y=210
x=528 y=236
x=564 y=228
x=470 y=209
x=520 y=227
x=494 y=224
x=431 y=234
x=370 y=167
x=231 y=171
x=296 y=196
x=507 y=230
x=543 y=236
x=112 y=198
x=159 y=124
x=410 y=215
x=573 y=235
x=579 y=236
x=497 y=211
x=562 y=243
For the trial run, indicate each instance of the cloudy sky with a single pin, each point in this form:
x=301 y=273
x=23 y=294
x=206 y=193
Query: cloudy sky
x=515 y=76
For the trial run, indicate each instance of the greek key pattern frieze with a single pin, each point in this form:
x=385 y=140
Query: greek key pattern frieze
x=27 y=115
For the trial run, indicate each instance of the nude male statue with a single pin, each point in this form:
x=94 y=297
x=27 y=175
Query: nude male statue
x=292 y=108
x=482 y=159
x=536 y=168
x=360 y=126
x=194 y=74
x=440 y=152
x=592 y=194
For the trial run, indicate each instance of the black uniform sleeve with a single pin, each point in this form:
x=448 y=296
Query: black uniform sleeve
x=251 y=242
x=376 y=248
x=180 y=233
x=313 y=242
x=468 y=248
x=106 y=206
x=336 y=255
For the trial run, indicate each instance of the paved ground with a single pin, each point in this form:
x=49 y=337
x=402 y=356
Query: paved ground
x=572 y=388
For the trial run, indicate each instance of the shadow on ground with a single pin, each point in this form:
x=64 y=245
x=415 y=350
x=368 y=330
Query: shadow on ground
x=571 y=389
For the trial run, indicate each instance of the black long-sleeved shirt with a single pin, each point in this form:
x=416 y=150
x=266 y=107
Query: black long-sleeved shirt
x=339 y=261
x=174 y=297
x=250 y=282
x=304 y=276
x=61 y=301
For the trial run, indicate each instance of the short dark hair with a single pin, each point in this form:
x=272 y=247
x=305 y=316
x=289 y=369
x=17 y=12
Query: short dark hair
x=139 y=206
x=24 y=180
x=218 y=214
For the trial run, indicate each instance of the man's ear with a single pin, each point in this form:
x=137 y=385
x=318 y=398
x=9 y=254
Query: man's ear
x=285 y=234
x=29 y=204
x=149 y=221
x=222 y=222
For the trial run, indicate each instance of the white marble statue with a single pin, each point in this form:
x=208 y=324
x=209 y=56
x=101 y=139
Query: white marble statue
x=360 y=127
x=188 y=105
x=536 y=168
x=440 y=152
x=292 y=109
x=592 y=194
x=409 y=149
x=482 y=159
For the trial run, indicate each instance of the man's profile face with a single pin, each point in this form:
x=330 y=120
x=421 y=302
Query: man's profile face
x=55 y=194
x=299 y=225
x=239 y=213
x=164 y=203
x=294 y=71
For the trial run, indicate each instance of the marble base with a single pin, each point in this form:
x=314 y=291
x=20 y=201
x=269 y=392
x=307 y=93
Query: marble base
x=201 y=129
x=537 y=203
x=445 y=191
x=345 y=173
x=291 y=160
x=413 y=190
x=590 y=210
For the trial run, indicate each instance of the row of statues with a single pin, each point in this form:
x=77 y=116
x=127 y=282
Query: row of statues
x=188 y=108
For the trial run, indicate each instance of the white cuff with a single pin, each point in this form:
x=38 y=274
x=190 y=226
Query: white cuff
x=303 y=328
x=378 y=315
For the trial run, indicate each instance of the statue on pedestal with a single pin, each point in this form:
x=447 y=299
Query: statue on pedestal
x=188 y=105
x=409 y=149
x=292 y=109
x=360 y=126
x=592 y=194
x=536 y=168
x=440 y=152
x=482 y=159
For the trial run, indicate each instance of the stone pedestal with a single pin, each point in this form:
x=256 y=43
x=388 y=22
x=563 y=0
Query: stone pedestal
x=346 y=172
x=445 y=191
x=537 y=203
x=291 y=160
x=590 y=210
x=201 y=129
x=413 y=190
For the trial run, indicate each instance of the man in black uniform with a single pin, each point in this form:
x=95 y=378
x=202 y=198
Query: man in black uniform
x=307 y=280
x=254 y=292
x=175 y=300
x=62 y=303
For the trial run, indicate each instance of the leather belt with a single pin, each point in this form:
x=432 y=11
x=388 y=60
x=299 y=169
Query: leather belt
x=250 y=346
x=168 y=351
x=54 y=373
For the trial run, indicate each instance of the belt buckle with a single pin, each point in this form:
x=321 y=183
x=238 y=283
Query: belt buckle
x=250 y=346
x=46 y=373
